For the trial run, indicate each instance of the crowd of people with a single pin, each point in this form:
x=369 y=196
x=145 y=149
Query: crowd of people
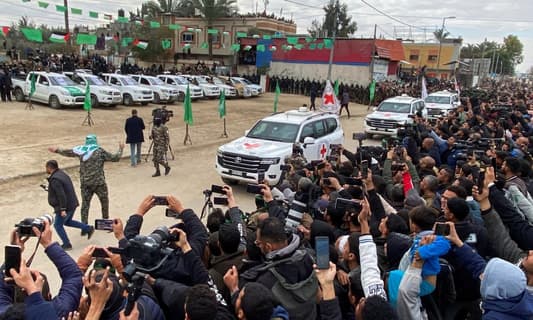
x=435 y=224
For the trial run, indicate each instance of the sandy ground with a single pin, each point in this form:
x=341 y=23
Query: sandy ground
x=26 y=135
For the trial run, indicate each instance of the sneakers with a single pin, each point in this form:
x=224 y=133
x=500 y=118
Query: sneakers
x=157 y=173
x=90 y=232
x=66 y=247
x=167 y=170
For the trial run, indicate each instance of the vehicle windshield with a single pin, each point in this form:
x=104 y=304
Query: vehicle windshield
x=274 y=131
x=396 y=107
x=217 y=81
x=155 y=81
x=128 y=82
x=201 y=80
x=95 y=81
x=61 y=81
x=181 y=80
x=246 y=81
x=438 y=99
x=236 y=81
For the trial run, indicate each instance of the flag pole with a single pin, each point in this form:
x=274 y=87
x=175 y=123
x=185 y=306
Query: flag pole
x=225 y=133
x=187 y=136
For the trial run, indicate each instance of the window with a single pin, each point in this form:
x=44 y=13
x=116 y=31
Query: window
x=320 y=129
x=307 y=131
x=187 y=37
x=432 y=57
x=115 y=81
x=42 y=80
x=145 y=81
x=216 y=38
x=331 y=124
x=413 y=57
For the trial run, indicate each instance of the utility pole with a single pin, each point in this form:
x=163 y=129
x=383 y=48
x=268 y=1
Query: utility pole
x=440 y=40
x=332 y=50
x=372 y=54
x=65 y=2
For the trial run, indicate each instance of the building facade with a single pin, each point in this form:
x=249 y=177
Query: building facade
x=418 y=55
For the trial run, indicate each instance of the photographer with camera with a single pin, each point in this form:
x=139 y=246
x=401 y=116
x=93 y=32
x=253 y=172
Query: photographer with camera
x=62 y=197
x=69 y=294
x=172 y=268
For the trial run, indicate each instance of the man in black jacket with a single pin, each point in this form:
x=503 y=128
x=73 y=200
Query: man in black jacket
x=134 y=136
x=62 y=197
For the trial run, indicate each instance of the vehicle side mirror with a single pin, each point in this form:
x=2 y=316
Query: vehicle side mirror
x=308 y=141
x=374 y=108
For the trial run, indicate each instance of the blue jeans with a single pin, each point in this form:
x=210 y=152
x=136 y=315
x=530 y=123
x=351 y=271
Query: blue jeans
x=135 y=157
x=60 y=221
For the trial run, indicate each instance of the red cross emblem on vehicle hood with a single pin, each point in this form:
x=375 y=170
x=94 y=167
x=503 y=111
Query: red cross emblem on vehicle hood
x=251 y=145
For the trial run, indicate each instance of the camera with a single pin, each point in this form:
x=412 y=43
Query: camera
x=25 y=227
x=148 y=253
x=163 y=114
x=294 y=216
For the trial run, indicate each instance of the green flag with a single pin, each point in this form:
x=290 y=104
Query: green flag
x=260 y=48
x=76 y=11
x=299 y=46
x=222 y=104
x=267 y=37
x=328 y=43
x=235 y=47
x=32 y=34
x=32 y=84
x=276 y=98
x=336 y=88
x=372 y=90
x=212 y=31
x=155 y=24
x=61 y=8
x=43 y=4
x=166 y=43
x=312 y=46
x=93 y=14
x=320 y=46
x=292 y=40
x=87 y=103
x=83 y=38
x=204 y=45
x=123 y=20
x=241 y=35
x=174 y=26
x=187 y=105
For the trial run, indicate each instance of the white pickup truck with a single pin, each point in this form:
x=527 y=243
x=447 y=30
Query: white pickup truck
x=181 y=84
x=265 y=147
x=229 y=91
x=440 y=103
x=210 y=90
x=163 y=93
x=54 y=89
x=101 y=93
x=129 y=88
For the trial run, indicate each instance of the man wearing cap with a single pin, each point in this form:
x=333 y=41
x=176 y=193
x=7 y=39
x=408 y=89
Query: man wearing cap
x=92 y=177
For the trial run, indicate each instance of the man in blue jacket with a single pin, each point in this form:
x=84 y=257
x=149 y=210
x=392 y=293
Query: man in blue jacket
x=69 y=295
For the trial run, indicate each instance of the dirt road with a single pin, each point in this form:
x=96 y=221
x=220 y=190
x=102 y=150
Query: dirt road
x=27 y=134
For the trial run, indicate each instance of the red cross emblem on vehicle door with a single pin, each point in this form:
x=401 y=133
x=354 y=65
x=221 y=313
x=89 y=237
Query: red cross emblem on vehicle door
x=323 y=151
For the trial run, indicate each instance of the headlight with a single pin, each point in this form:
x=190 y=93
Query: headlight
x=270 y=161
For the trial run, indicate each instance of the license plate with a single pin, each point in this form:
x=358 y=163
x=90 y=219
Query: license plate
x=237 y=173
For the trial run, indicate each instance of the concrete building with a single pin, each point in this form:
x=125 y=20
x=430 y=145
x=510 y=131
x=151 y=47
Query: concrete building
x=418 y=55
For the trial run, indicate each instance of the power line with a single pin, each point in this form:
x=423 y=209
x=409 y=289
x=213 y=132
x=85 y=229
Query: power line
x=389 y=16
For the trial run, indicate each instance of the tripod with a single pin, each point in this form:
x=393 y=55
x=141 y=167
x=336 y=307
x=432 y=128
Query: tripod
x=88 y=120
x=208 y=204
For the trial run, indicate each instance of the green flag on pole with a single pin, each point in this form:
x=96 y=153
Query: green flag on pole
x=222 y=104
x=32 y=84
x=187 y=105
x=166 y=43
x=336 y=88
x=93 y=14
x=87 y=106
x=61 y=8
x=372 y=90
x=276 y=98
x=32 y=34
x=83 y=38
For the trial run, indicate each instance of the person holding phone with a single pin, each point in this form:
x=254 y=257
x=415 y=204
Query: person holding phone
x=62 y=197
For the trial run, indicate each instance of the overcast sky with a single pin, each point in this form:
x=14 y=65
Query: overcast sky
x=475 y=19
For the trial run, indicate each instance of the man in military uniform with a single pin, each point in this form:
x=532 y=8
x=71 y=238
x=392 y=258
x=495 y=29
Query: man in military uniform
x=92 y=178
x=161 y=141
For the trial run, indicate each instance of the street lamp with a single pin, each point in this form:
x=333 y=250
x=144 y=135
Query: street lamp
x=440 y=40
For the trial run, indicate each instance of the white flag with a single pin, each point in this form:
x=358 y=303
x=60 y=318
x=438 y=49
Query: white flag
x=330 y=103
x=457 y=87
x=424 y=89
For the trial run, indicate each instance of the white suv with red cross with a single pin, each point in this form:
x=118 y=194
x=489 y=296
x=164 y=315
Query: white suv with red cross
x=269 y=142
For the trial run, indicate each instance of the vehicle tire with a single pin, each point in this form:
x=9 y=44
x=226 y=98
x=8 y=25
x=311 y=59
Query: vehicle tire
x=157 y=98
x=53 y=102
x=230 y=182
x=94 y=101
x=145 y=103
x=19 y=95
x=127 y=100
x=368 y=135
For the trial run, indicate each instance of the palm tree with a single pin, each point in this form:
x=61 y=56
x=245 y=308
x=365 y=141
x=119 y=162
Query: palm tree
x=154 y=8
x=441 y=34
x=210 y=10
